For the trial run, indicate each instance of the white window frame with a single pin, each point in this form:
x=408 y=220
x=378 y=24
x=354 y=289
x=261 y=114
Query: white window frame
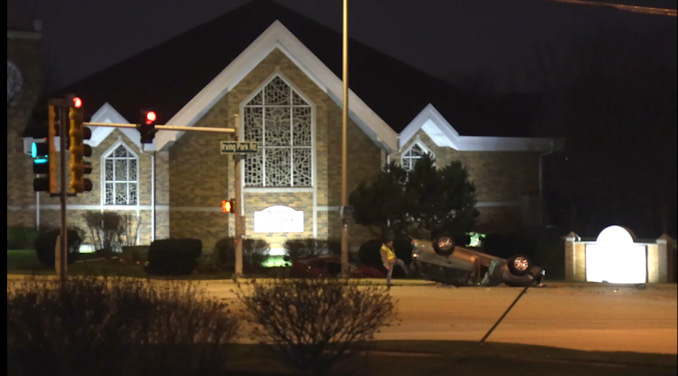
x=411 y=161
x=245 y=103
x=135 y=179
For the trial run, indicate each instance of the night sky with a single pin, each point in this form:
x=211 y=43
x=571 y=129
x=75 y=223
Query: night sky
x=450 y=39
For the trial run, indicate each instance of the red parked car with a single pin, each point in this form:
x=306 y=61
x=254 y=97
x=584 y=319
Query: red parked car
x=330 y=266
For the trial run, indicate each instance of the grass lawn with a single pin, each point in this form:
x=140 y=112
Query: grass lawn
x=395 y=358
x=26 y=262
x=446 y=358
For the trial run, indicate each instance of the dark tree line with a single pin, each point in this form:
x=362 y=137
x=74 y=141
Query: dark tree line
x=610 y=101
x=613 y=99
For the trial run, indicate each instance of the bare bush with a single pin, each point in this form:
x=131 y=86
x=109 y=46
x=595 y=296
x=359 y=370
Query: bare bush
x=105 y=229
x=314 y=324
x=113 y=326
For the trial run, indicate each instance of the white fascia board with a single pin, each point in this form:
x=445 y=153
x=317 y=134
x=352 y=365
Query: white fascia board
x=108 y=114
x=443 y=134
x=435 y=126
x=477 y=143
x=278 y=36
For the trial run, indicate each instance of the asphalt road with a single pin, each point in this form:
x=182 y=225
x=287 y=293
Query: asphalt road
x=583 y=316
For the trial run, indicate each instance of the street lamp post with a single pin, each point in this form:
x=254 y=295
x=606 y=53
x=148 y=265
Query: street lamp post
x=344 y=125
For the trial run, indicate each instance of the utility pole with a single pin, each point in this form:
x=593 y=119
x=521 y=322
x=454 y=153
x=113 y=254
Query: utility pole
x=344 y=126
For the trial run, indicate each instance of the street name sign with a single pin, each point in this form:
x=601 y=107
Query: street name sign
x=230 y=147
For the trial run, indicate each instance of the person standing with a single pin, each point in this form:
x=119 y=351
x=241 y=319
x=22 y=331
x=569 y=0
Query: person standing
x=388 y=257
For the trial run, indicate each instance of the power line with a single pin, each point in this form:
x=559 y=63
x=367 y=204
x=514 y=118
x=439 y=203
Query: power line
x=626 y=8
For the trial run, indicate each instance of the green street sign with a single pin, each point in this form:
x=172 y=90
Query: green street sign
x=231 y=147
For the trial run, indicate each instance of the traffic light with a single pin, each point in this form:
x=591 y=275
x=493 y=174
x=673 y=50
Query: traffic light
x=228 y=206
x=78 y=150
x=44 y=157
x=146 y=126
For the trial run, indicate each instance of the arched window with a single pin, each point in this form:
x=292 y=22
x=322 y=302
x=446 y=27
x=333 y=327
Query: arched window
x=121 y=177
x=279 y=119
x=412 y=155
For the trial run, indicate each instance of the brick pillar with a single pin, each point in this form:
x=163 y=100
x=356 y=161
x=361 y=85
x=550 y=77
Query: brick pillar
x=656 y=262
x=666 y=258
x=570 y=256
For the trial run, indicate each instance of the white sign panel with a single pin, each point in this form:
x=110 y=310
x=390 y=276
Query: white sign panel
x=279 y=218
x=615 y=258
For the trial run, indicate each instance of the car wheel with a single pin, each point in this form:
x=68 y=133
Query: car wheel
x=519 y=264
x=444 y=245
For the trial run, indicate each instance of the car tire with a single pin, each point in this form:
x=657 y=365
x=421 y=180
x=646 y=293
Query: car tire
x=519 y=265
x=444 y=244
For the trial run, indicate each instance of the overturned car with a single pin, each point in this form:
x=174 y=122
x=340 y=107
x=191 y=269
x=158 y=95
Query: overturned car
x=441 y=260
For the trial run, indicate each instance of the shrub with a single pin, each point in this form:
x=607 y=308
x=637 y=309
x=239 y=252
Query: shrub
x=21 y=237
x=315 y=323
x=173 y=256
x=100 y=326
x=298 y=248
x=254 y=253
x=110 y=230
x=45 y=245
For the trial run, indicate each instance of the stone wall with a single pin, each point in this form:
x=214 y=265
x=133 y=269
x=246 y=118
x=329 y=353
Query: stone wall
x=501 y=178
x=201 y=177
x=23 y=49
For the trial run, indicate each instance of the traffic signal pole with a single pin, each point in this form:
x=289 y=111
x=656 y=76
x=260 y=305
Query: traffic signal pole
x=163 y=127
x=61 y=251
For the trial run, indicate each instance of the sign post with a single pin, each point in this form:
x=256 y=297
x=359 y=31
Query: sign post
x=238 y=149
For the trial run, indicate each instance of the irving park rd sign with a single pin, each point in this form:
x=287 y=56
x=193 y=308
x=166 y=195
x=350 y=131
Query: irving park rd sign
x=230 y=147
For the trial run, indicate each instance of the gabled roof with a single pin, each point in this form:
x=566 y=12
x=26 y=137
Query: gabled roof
x=170 y=75
x=444 y=135
x=277 y=36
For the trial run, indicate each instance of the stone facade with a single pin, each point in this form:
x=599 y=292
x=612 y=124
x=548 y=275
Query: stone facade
x=23 y=50
x=215 y=170
x=501 y=178
x=181 y=187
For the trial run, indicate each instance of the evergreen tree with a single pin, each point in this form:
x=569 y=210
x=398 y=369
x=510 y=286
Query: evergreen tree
x=419 y=203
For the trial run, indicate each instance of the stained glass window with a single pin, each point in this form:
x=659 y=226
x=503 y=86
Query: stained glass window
x=121 y=181
x=279 y=119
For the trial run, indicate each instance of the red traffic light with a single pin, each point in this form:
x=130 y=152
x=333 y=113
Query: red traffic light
x=150 y=117
x=77 y=102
